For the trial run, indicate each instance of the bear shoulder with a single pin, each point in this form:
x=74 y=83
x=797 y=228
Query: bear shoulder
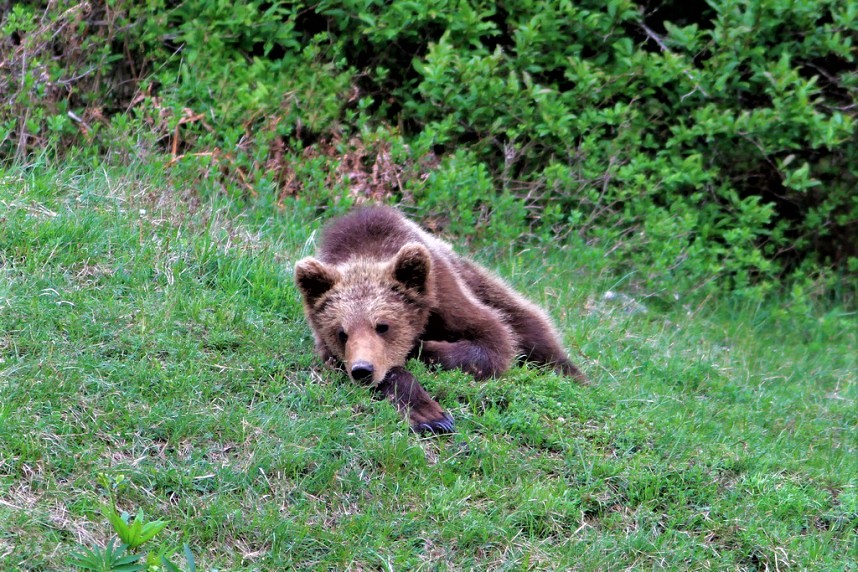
x=370 y=232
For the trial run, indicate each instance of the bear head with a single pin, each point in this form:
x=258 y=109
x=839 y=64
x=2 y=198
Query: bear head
x=368 y=313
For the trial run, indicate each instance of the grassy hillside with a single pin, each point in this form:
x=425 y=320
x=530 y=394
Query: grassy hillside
x=152 y=350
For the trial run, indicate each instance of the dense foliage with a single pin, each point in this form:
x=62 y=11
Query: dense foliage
x=710 y=144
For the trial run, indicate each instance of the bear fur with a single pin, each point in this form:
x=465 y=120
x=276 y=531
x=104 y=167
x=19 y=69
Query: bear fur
x=381 y=290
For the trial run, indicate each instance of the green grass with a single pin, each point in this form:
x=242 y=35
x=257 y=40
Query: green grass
x=149 y=328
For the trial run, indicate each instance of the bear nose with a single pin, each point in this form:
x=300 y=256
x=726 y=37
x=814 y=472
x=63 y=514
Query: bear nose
x=362 y=371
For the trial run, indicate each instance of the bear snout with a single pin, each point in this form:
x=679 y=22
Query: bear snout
x=362 y=371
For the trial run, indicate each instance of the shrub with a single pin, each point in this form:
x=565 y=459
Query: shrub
x=704 y=144
x=41 y=93
x=718 y=148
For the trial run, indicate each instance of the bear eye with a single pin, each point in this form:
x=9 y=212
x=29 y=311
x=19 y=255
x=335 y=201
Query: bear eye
x=342 y=335
x=381 y=327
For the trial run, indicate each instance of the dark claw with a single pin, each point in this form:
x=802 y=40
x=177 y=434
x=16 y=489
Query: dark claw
x=440 y=427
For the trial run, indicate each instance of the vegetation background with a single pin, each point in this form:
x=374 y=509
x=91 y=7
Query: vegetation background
x=674 y=180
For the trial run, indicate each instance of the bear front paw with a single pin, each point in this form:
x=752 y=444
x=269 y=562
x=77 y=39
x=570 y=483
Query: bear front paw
x=436 y=426
x=414 y=403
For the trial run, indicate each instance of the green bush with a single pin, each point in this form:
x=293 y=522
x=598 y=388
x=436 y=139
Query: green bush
x=42 y=95
x=706 y=145
x=723 y=149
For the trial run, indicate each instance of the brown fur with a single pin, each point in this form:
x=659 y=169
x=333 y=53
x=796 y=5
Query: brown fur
x=381 y=289
x=410 y=399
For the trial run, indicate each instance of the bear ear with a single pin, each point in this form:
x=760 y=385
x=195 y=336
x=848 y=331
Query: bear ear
x=412 y=266
x=314 y=278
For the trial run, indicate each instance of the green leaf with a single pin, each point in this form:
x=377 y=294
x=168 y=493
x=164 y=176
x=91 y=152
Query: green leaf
x=141 y=532
x=107 y=559
x=136 y=532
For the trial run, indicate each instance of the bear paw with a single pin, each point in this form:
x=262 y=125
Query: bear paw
x=414 y=403
x=435 y=427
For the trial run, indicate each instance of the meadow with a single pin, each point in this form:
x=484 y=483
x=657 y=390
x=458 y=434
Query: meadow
x=674 y=181
x=154 y=358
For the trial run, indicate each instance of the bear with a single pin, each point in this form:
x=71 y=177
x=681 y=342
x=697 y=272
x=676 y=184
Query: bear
x=381 y=290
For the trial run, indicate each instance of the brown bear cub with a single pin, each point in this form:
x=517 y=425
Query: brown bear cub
x=381 y=290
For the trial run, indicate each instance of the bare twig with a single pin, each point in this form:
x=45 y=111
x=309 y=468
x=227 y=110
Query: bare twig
x=657 y=39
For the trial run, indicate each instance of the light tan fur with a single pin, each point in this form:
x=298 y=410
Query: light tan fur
x=356 y=300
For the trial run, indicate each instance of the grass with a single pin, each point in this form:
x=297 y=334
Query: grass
x=149 y=331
